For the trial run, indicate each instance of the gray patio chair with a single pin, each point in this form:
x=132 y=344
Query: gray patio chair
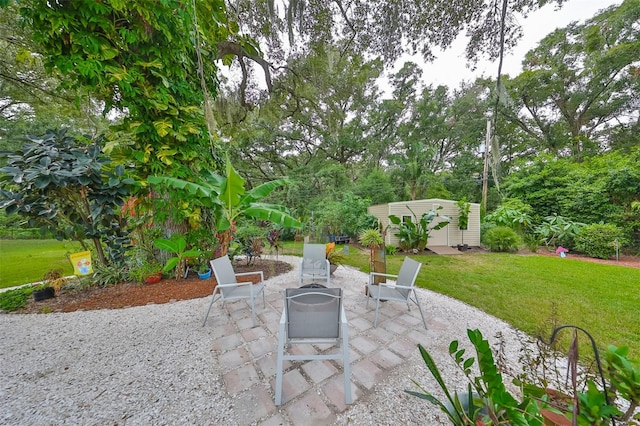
x=399 y=291
x=228 y=288
x=313 y=316
x=314 y=263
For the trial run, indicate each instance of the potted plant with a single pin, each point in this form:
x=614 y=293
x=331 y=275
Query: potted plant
x=373 y=239
x=204 y=268
x=463 y=220
x=51 y=284
x=333 y=257
x=148 y=272
x=177 y=245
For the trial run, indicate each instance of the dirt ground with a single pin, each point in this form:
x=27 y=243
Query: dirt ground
x=132 y=294
x=169 y=289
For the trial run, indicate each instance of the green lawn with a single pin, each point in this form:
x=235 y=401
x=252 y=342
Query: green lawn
x=27 y=261
x=522 y=290
x=525 y=290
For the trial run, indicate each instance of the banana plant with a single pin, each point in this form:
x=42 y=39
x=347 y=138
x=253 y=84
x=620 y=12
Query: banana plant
x=177 y=246
x=228 y=198
x=415 y=234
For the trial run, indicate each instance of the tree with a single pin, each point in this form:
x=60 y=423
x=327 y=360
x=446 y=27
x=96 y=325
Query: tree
x=227 y=197
x=70 y=188
x=579 y=82
x=28 y=93
x=387 y=30
x=142 y=60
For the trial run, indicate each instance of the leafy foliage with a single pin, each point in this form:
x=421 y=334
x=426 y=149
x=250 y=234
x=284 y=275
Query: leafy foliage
x=140 y=59
x=488 y=402
x=501 y=239
x=230 y=201
x=12 y=300
x=577 y=79
x=177 y=246
x=487 y=399
x=414 y=234
x=624 y=376
x=599 y=240
x=556 y=230
x=69 y=187
x=511 y=213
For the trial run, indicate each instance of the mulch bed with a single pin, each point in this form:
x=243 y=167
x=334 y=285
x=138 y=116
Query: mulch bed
x=131 y=294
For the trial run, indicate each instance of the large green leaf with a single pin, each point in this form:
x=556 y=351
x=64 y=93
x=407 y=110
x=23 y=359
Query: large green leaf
x=204 y=191
x=272 y=214
x=233 y=189
x=261 y=191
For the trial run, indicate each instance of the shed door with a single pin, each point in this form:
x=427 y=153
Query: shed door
x=439 y=237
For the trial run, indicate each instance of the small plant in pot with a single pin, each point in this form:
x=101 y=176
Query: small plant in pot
x=148 y=272
x=333 y=257
x=177 y=246
x=51 y=284
x=463 y=220
x=204 y=269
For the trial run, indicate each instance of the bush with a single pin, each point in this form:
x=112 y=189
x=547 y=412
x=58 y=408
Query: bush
x=501 y=239
x=598 y=240
x=12 y=300
x=390 y=250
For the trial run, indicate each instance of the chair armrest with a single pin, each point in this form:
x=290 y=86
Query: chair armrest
x=283 y=319
x=380 y=274
x=244 y=274
x=241 y=284
x=394 y=285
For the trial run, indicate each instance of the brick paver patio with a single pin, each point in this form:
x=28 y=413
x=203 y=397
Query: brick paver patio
x=313 y=391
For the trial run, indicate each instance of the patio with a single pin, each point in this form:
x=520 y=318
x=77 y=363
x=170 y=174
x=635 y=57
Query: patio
x=156 y=364
x=314 y=390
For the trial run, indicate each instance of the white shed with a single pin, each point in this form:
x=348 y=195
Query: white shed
x=450 y=235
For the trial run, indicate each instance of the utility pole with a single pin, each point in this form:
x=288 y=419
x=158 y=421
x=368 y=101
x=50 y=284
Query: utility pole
x=485 y=172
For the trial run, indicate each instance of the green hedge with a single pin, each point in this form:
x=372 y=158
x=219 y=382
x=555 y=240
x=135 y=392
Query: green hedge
x=24 y=234
x=599 y=240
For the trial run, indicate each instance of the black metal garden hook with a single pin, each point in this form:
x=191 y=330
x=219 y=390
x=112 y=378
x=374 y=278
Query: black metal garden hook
x=595 y=351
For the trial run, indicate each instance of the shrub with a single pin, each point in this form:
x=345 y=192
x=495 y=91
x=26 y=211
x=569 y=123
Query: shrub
x=12 y=300
x=390 y=250
x=598 y=240
x=502 y=239
x=558 y=230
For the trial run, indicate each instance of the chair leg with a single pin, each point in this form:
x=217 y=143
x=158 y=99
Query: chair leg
x=213 y=299
x=417 y=302
x=253 y=310
x=375 y=319
x=345 y=365
x=279 y=367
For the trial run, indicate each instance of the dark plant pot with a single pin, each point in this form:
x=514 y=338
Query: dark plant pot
x=153 y=278
x=44 y=294
x=332 y=268
x=463 y=247
x=205 y=275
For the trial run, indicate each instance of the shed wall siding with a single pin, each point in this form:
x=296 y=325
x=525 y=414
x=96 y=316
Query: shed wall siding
x=450 y=235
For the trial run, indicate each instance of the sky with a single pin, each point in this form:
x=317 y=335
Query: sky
x=450 y=68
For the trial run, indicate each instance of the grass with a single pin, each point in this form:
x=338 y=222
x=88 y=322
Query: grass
x=27 y=261
x=525 y=291
x=530 y=292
